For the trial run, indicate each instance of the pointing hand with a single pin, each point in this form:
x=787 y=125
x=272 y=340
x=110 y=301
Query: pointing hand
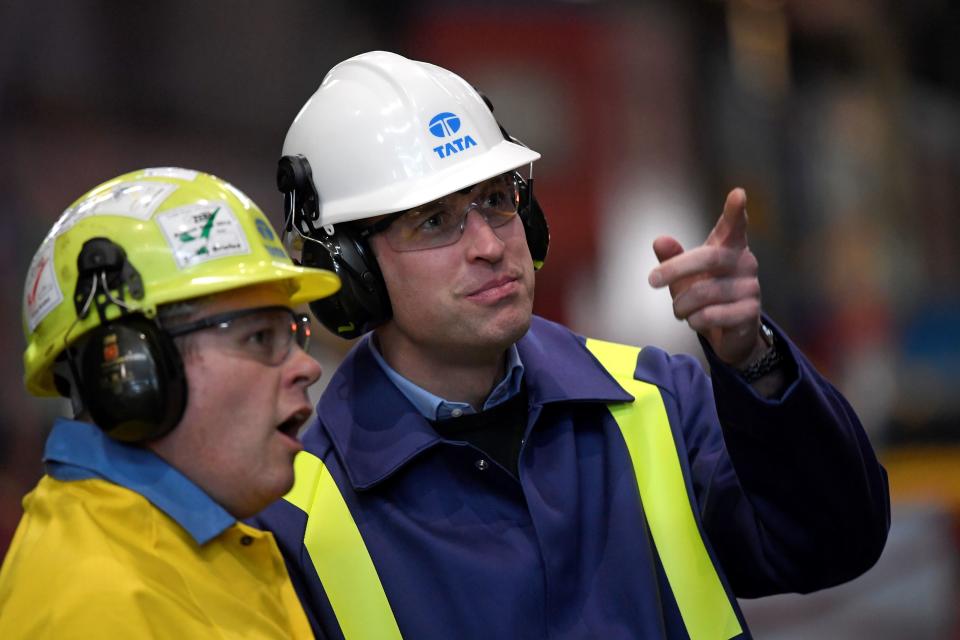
x=715 y=286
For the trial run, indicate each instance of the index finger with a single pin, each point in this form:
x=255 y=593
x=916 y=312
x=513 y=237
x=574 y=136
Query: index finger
x=731 y=229
x=700 y=261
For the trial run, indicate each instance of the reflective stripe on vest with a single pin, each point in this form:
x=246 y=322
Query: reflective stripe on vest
x=704 y=606
x=339 y=555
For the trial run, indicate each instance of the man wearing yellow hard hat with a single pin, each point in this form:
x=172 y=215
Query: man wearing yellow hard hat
x=161 y=303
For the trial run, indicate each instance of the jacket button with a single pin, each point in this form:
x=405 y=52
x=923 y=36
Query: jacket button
x=246 y=541
x=481 y=464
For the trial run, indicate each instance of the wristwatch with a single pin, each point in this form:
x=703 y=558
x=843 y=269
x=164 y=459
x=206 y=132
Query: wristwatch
x=771 y=359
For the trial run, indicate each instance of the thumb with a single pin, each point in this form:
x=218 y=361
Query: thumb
x=664 y=248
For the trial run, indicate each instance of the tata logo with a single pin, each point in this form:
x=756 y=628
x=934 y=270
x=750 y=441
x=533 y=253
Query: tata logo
x=446 y=125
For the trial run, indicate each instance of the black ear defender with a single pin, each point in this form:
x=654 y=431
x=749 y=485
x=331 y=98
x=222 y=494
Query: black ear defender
x=362 y=302
x=128 y=371
x=534 y=221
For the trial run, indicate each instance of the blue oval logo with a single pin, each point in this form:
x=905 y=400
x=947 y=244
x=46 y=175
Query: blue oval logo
x=444 y=124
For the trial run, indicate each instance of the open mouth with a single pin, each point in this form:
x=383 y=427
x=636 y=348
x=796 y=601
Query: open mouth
x=291 y=426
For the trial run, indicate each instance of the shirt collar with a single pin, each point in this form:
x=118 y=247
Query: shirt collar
x=376 y=429
x=77 y=450
x=433 y=407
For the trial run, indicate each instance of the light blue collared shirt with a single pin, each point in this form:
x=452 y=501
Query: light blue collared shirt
x=434 y=407
x=79 y=451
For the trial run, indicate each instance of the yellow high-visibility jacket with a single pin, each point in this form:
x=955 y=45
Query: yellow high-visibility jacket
x=94 y=559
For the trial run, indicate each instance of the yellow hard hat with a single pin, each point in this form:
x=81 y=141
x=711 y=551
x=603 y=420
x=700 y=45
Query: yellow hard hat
x=185 y=234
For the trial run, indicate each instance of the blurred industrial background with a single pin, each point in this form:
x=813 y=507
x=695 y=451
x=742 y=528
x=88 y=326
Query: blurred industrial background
x=841 y=118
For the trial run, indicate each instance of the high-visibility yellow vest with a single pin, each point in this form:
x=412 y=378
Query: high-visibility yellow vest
x=353 y=587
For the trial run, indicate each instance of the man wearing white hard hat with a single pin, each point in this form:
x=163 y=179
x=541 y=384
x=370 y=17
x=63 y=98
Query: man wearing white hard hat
x=161 y=303
x=476 y=471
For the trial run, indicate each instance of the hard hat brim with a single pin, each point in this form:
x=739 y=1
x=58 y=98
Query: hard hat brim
x=313 y=284
x=403 y=195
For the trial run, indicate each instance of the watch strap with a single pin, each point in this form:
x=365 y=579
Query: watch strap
x=770 y=361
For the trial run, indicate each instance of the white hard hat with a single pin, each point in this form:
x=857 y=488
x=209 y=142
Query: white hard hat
x=384 y=133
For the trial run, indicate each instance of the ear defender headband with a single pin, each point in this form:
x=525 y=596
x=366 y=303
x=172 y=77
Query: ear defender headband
x=362 y=302
x=128 y=372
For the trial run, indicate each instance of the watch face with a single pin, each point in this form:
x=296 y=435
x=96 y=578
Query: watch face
x=766 y=333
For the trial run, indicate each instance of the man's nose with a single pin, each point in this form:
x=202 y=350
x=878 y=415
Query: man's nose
x=484 y=242
x=303 y=367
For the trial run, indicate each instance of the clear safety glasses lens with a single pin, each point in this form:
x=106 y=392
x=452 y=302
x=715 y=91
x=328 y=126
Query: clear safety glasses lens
x=441 y=222
x=265 y=334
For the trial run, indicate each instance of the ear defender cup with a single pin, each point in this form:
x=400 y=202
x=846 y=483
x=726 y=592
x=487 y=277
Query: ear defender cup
x=534 y=224
x=130 y=377
x=362 y=301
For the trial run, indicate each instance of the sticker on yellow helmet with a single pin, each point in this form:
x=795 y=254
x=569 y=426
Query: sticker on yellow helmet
x=41 y=293
x=171 y=172
x=201 y=232
x=131 y=199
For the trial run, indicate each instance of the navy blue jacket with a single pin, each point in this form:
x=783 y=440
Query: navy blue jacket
x=789 y=494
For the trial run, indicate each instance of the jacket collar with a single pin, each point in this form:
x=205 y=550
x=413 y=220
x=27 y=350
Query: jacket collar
x=376 y=430
x=561 y=369
x=79 y=450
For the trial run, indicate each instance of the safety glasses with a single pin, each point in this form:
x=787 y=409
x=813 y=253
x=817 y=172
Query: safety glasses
x=265 y=334
x=441 y=222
